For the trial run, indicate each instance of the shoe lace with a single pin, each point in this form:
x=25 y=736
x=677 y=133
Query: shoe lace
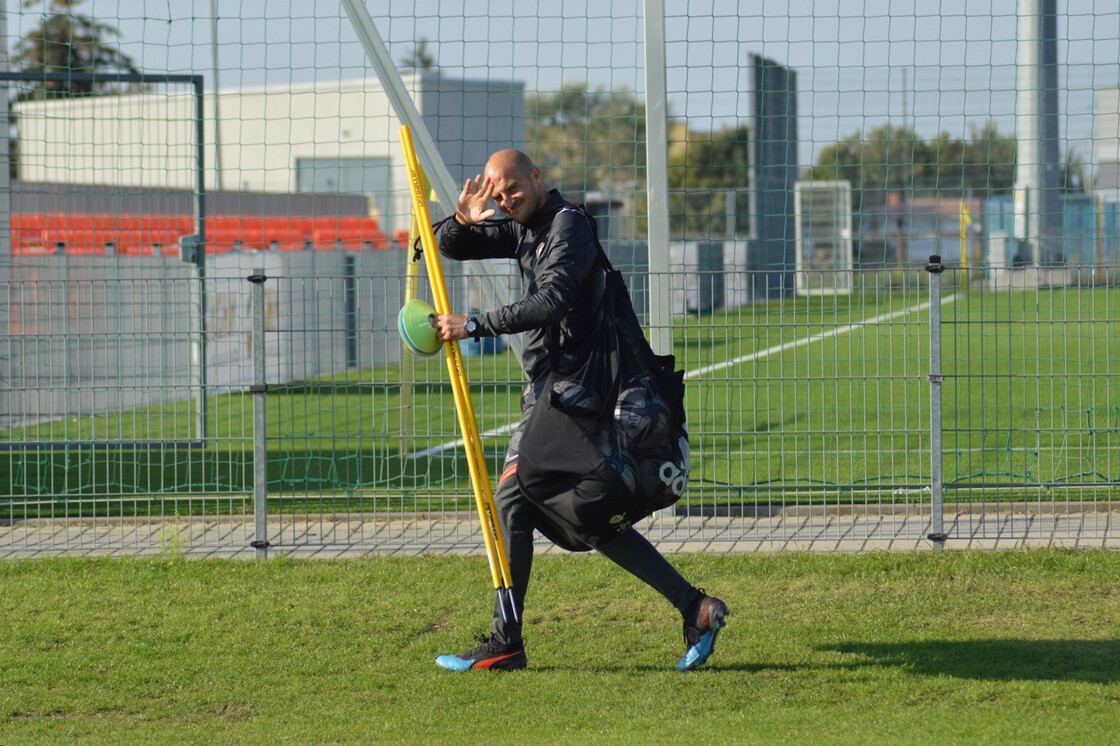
x=487 y=644
x=692 y=631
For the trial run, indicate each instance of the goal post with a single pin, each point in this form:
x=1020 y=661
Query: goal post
x=58 y=137
x=823 y=235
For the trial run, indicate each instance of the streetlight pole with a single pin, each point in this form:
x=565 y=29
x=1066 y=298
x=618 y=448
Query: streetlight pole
x=216 y=96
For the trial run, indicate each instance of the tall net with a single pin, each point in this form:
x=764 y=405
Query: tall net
x=815 y=159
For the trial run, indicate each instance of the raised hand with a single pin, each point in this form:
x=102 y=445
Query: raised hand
x=473 y=201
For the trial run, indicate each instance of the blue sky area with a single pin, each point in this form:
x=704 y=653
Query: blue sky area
x=941 y=66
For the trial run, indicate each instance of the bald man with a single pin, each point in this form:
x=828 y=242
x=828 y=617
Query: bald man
x=556 y=250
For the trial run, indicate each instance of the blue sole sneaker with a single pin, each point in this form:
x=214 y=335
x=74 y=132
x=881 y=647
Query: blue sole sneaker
x=488 y=656
x=700 y=636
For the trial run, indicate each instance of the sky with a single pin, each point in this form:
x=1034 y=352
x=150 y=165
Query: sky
x=939 y=66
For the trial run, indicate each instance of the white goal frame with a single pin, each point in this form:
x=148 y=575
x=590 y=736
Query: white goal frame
x=823 y=236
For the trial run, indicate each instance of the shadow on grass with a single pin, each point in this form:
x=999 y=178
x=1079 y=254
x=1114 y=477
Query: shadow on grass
x=712 y=666
x=1094 y=661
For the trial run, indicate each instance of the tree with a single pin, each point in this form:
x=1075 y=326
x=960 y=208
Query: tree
x=706 y=170
x=421 y=60
x=989 y=162
x=1074 y=179
x=66 y=41
x=893 y=160
x=887 y=159
x=588 y=140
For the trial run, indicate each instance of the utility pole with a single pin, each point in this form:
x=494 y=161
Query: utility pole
x=5 y=223
x=216 y=95
x=5 y=155
x=657 y=173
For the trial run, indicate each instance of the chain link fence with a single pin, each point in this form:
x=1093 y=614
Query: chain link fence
x=773 y=181
x=927 y=408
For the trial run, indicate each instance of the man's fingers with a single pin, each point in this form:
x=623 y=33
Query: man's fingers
x=471 y=186
x=473 y=199
x=450 y=327
x=483 y=199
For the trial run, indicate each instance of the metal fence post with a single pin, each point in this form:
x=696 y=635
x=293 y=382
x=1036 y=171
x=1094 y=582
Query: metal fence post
x=937 y=509
x=259 y=389
x=7 y=286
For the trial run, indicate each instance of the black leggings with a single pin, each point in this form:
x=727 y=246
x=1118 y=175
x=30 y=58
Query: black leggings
x=629 y=550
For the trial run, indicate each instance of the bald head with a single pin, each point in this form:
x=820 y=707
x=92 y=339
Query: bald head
x=519 y=190
x=510 y=163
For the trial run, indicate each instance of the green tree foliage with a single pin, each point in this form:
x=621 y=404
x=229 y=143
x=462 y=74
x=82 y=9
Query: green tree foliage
x=588 y=140
x=66 y=41
x=421 y=59
x=891 y=159
x=706 y=170
x=1074 y=178
x=887 y=159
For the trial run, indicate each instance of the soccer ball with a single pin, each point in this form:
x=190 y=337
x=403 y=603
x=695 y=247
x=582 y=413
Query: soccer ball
x=575 y=398
x=627 y=471
x=663 y=476
x=641 y=419
x=623 y=464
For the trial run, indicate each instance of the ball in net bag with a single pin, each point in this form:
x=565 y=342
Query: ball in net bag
x=641 y=418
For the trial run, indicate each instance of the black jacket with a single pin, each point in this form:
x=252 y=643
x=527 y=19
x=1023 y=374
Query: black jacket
x=561 y=274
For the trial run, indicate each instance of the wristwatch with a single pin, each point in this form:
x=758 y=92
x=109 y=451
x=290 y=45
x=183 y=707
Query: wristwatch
x=472 y=327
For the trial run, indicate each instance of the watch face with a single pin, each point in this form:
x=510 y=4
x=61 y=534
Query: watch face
x=472 y=326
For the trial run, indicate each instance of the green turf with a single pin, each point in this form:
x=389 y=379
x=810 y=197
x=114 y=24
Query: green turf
x=1016 y=647
x=1030 y=401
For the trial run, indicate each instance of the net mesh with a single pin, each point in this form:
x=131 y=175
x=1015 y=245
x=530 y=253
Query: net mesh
x=804 y=327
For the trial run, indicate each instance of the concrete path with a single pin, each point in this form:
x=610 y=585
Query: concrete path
x=349 y=535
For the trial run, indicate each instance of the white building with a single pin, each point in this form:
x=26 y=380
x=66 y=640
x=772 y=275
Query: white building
x=332 y=137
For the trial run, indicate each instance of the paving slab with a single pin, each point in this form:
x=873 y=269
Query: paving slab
x=347 y=535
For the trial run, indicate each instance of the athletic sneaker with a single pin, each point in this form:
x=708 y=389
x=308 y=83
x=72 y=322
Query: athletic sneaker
x=700 y=636
x=491 y=655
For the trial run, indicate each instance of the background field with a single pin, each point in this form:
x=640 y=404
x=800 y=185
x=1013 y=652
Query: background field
x=791 y=148
x=879 y=648
x=790 y=401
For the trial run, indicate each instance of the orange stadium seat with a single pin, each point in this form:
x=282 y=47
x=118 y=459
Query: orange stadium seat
x=151 y=234
x=349 y=233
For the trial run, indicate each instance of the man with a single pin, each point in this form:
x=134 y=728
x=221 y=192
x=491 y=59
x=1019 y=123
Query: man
x=554 y=245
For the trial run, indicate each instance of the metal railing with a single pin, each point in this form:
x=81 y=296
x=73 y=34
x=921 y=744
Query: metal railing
x=931 y=407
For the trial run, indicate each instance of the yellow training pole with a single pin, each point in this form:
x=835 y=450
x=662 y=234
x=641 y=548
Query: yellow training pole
x=464 y=407
x=966 y=220
x=480 y=479
x=408 y=362
x=412 y=278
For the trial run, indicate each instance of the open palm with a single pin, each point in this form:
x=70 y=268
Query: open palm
x=473 y=201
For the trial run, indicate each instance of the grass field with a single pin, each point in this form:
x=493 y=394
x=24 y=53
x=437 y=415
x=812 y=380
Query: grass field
x=807 y=397
x=1017 y=647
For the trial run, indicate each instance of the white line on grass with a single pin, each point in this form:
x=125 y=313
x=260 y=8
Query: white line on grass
x=815 y=338
x=504 y=429
x=457 y=443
